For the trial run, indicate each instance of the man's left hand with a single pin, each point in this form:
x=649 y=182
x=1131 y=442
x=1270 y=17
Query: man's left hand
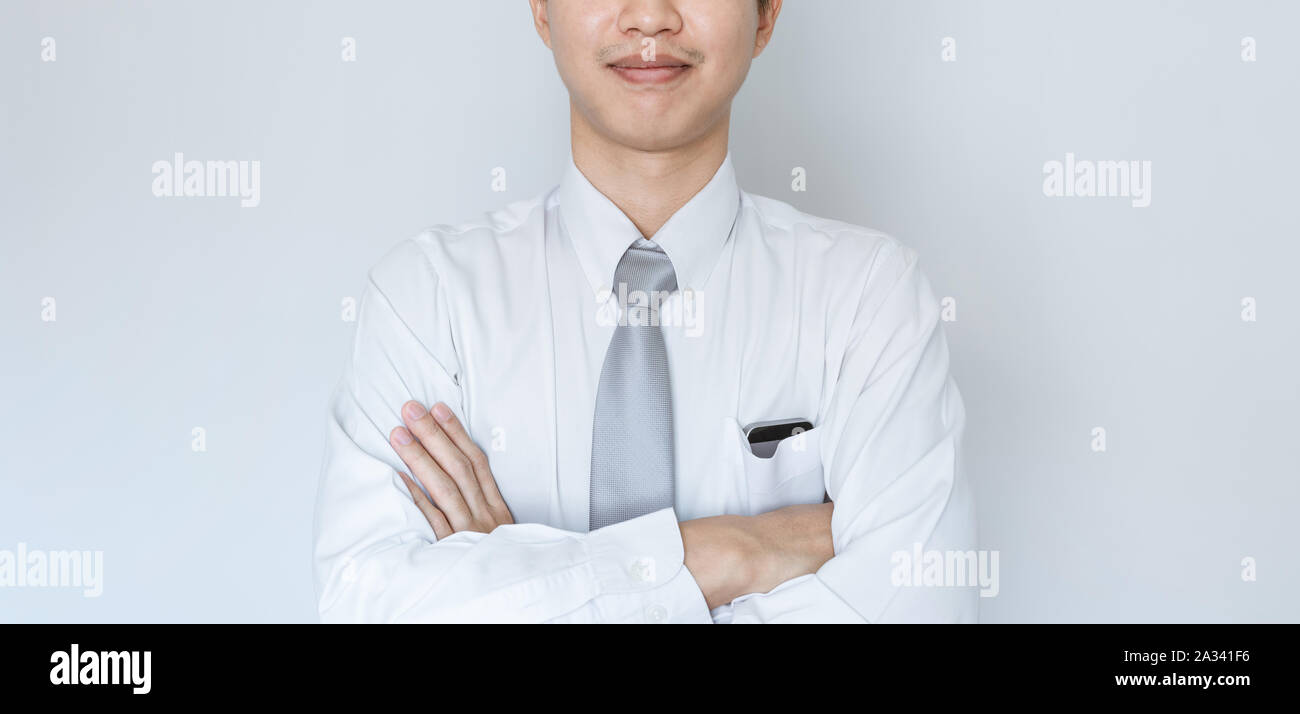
x=438 y=450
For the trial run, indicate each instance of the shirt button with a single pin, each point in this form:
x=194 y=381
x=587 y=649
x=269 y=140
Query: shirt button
x=642 y=570
x=656 y=614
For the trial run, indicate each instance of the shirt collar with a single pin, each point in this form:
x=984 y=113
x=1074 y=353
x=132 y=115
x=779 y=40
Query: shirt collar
x=693 y=237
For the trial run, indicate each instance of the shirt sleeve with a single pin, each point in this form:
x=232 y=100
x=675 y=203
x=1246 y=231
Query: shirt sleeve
x=891 y=460
x=376 y=558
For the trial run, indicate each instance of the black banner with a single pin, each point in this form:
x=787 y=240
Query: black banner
x=229 y=663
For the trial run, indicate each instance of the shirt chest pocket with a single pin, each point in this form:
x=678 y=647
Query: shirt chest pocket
x=793 y=475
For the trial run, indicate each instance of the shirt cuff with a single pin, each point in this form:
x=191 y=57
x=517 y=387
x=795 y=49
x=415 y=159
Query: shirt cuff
x=640 y=572
x=802 y=600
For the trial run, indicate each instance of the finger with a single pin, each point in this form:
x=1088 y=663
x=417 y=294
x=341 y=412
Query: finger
x=450 y=458
x=445 y=493
x=441 y=528
x=477 y=459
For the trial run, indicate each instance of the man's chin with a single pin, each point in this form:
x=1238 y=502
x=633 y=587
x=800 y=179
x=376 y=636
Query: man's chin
x=647 y=133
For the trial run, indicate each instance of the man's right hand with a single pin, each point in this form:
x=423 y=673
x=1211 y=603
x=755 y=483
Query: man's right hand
x=730 y=556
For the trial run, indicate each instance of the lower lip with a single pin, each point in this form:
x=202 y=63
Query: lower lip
x=650 y=75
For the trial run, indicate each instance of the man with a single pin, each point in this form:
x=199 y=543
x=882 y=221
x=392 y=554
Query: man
x=608 y=343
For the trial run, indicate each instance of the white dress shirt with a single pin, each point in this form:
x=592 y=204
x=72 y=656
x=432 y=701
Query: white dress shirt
x=779 y=315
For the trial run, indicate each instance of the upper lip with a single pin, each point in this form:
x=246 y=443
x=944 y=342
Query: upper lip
x=662 y=59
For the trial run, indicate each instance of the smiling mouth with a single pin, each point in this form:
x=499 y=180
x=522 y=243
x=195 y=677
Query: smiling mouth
x=651 y=75
x=661 y=71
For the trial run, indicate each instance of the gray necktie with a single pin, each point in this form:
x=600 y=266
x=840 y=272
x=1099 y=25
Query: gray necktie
x=632 y=435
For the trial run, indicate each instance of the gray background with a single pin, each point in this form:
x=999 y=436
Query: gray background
x=1072 y=313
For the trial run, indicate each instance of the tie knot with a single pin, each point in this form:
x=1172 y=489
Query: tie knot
x=646 y=267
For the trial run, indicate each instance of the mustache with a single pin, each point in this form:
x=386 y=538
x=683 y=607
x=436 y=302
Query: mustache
x=613 y=52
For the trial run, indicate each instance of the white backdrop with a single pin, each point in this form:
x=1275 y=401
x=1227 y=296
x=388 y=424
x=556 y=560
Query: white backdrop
x=1072 y=313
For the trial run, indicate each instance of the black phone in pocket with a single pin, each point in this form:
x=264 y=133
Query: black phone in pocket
x=764 y=436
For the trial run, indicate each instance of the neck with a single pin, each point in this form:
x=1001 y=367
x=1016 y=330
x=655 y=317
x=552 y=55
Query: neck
x=648 y=186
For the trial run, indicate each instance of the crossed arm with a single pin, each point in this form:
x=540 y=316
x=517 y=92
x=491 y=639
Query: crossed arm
x=728 y=556
x=451 y=551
